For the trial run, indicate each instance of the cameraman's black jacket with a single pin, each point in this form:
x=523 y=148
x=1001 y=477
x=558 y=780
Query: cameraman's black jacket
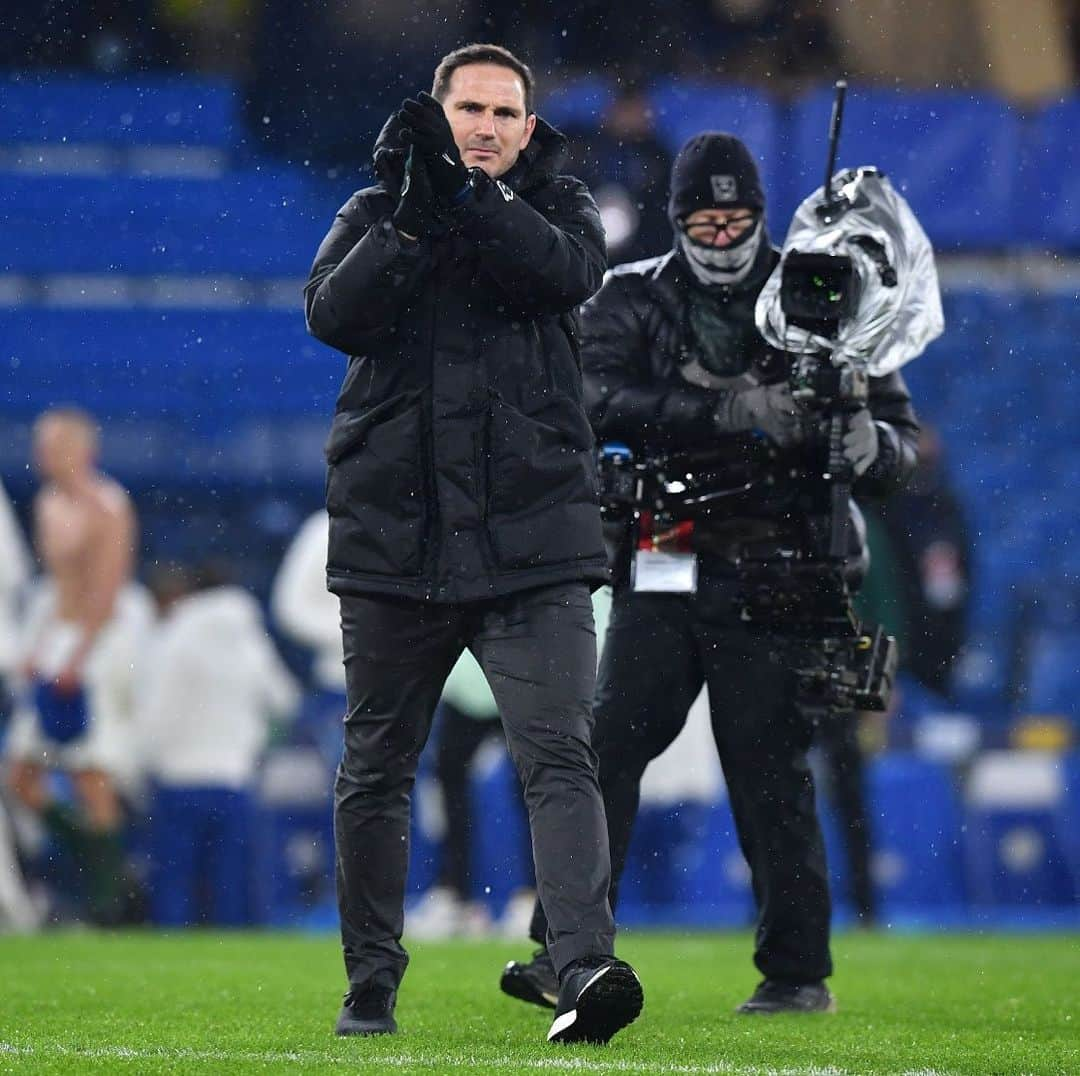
x=637 y=342
x=461 y=462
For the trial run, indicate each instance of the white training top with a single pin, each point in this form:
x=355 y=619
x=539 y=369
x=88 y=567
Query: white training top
x=304 y=608
x=209 y=683
x=15 y=567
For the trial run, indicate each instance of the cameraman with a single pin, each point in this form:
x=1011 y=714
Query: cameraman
x=674 y=363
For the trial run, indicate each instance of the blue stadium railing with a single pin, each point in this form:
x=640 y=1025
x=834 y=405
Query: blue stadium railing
x=980 y=174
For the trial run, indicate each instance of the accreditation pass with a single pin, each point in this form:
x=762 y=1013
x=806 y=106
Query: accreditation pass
x=656 y=572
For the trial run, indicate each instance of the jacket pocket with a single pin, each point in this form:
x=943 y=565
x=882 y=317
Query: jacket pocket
x=376 y=489
x=543 y=503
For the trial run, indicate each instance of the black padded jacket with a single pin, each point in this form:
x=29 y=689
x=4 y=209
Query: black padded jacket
x=461 y=464
x=636 y=341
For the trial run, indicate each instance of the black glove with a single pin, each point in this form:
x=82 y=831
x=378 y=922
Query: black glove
x=768 y=408
x=426 y=128
x=413 y=216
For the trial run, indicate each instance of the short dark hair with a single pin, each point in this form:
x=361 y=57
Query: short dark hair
x=481 y=54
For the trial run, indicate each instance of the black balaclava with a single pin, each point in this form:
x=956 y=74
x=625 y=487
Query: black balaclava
x=715 y=170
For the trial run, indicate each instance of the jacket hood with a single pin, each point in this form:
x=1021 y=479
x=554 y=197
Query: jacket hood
x=538 y=162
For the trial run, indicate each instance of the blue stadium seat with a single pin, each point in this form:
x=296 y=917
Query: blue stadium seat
x=1015 y=854
x=916 y=833
x=295 y=845
x=425 y=836
x=664 y=849
x=500 y=831
x=581 y=103
x=1048 y=665
x=714 y=882
x=217 y=364
x=1049 y=196
x=252 y=222
x=174 y=110
x=1067 y=816
x=185 y=395
x=1053 y=673
x=951 y=155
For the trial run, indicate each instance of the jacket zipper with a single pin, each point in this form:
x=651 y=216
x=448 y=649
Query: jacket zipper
x=484 y=468
x=430 y=560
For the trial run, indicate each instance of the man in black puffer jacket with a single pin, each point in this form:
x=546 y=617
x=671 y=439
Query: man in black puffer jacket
x=674 y=361
x=463 y=504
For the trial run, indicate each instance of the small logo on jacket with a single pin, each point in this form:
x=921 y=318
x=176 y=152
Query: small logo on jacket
x=724 y=188
x=505 y=191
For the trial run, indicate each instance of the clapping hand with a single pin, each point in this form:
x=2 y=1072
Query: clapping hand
x=413 y=216
x=426 y=128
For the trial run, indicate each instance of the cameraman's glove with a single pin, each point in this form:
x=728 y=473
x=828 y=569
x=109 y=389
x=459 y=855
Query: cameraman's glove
x=861 y=442
x=426 y=128
x=768 y=408
x=413 y=216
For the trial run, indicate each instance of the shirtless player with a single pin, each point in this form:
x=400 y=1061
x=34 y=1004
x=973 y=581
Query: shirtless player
x=77 y=655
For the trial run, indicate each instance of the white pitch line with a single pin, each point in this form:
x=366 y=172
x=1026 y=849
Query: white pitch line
x=437 y=1061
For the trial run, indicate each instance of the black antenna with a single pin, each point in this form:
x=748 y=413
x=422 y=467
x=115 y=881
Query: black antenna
x=827 y=208
x=834 y=128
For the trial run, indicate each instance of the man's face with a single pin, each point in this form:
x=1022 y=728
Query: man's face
x=63 y=451
x=485 y=104
x=719 y=227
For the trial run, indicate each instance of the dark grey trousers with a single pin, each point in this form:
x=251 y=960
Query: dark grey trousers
x=659 y=650
x=538 y=651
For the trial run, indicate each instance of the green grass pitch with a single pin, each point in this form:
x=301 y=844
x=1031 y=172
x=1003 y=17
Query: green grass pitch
x=195 y=1002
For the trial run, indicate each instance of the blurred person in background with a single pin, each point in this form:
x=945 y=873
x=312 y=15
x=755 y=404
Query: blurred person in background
x=310 y=615
x=626 y=167
x=15 y=571
x=17 y=912
x=81 y=635
x=673 y=361
x=463 y=511
x=210 y=684
x=927 y=531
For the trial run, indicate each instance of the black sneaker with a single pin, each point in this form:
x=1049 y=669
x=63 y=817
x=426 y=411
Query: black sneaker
x=773 y=996
x=535 y=982
x=597 y=997
x=368 y=1011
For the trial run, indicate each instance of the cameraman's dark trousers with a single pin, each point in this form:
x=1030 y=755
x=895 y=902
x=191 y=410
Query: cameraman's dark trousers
x=538 y=650
x=659 y=650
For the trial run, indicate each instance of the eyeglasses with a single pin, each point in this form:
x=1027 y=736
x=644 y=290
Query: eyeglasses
x=708 y=231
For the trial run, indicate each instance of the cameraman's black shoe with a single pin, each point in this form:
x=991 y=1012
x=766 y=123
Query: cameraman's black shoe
x=368 y=1011
x=535 y=982
x=597 y=997
x=773 y=996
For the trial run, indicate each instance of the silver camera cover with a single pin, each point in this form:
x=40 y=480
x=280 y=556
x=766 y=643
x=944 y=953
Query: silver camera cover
x=890 y=325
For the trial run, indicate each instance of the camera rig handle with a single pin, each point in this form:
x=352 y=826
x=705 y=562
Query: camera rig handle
x=840 y=477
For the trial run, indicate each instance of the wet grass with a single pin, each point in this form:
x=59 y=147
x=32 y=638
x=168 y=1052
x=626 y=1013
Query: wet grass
x=210 y=1003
